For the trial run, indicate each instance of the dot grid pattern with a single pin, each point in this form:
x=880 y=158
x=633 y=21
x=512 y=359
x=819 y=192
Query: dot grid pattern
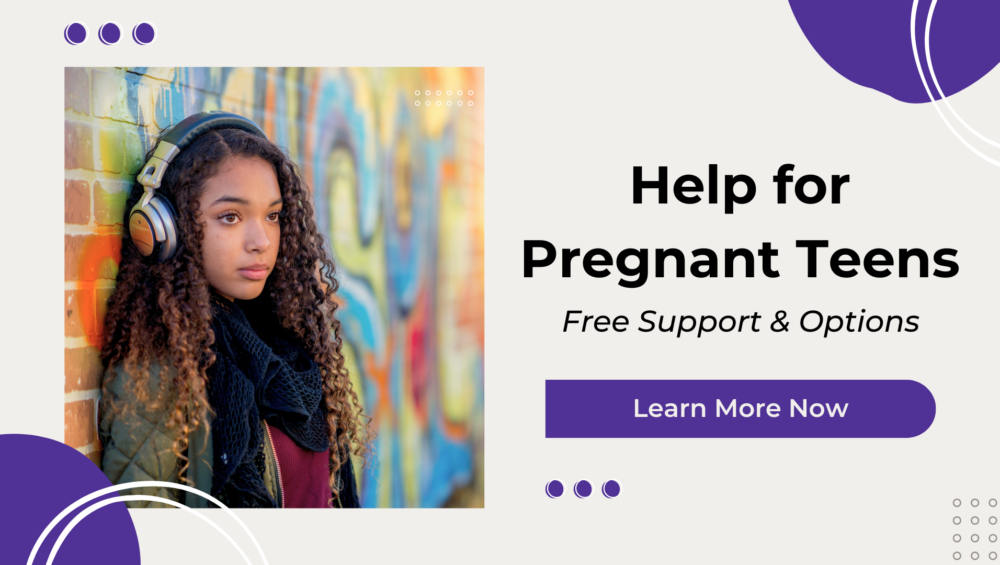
x=975 y=543
x=436 y=93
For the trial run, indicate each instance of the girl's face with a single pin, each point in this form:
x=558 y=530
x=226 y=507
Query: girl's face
x=240 y=209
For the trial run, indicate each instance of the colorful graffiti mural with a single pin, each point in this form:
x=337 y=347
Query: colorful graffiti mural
x=398 y=189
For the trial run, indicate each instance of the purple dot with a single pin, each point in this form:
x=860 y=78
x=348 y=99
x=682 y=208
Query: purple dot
x=554 y=489
x=110 y=33
x=144 y=33
x=582 y=489
x=75 y=33
x=611 y=489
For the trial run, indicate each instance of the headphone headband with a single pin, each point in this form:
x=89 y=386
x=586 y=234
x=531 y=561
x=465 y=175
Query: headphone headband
x=186 y=131
x=152 y=223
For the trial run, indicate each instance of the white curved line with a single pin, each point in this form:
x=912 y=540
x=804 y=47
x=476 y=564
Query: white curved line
x=98 y=505
x=930 y=67
x=138 y=484
x=923 y=79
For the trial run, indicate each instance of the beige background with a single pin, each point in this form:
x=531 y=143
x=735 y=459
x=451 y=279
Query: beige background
x=575 y=95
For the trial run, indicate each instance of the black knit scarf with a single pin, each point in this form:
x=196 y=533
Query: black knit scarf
x=261 y=372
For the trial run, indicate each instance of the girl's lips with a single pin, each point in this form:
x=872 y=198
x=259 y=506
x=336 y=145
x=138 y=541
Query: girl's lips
x=254 y=274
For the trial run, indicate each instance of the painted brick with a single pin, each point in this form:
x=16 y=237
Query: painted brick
x=194 y=100
x=92 y=257
x=109 y=96
x=80 y=424
x=78 y=90
x=95 y=456
x=77 y=202
x=109 y=202
x=140 y=95
x=111 y=145
x=162 y=73
x=79 y=146
x=135 y=154
x=163 y=109
x=83 y=368
x=73 y=309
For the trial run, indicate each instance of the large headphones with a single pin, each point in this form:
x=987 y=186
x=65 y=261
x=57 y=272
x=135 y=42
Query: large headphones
x=152 y=223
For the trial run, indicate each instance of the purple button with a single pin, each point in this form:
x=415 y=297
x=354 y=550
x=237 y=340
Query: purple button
x=737 y=409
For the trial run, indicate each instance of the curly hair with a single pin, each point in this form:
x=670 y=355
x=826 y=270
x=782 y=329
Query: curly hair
x=162 y=312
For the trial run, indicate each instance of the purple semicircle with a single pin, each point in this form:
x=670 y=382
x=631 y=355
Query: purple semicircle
x=869 y=42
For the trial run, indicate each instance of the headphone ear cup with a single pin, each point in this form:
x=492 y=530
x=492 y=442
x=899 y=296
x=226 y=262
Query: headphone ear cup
x=153 y=228
x=140 y=229
x=168 y=218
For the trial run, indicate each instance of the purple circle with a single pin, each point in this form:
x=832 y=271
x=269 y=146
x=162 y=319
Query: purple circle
x=144 y=33
x=582 y=489
x=554 y=489
x=110 y=33
x=76 y=33
x=611 y=489
x=46 y=477
x=869 y=43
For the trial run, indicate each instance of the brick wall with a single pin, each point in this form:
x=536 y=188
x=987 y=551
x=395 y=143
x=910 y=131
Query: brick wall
x=398 y=190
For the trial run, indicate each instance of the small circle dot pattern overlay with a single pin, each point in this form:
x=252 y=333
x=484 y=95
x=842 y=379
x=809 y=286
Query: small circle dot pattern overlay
x=974 y=529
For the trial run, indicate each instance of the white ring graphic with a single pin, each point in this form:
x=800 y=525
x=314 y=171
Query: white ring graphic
x=923 y=79
x=930 y=67
x=139 y=484
x=97 y=506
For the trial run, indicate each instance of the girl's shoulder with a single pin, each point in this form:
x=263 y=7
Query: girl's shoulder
x=122 y=383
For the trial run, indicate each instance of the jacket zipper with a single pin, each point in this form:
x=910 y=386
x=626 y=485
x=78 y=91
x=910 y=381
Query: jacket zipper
x=277 y=465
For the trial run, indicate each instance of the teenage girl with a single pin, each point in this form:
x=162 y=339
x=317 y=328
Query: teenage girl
x=223 y=351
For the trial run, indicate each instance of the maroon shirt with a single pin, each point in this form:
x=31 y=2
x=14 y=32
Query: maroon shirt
x=304 y=475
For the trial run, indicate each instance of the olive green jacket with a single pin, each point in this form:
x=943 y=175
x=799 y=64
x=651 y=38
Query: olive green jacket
x=138 y=446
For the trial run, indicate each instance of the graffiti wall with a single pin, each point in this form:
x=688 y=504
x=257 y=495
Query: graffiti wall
x=398 y=189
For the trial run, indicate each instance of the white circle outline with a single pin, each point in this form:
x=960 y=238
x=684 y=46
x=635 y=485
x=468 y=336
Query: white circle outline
x=930 y=67
x=101 y=39
x=604 y=489
x=139 y=484
x=923 y=79
x=98 y=505
x=548 y=492
x=136 y=39
x=85 y=37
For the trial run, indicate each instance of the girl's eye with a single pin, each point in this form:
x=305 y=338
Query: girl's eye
x=274 y=216
x=230 y=218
